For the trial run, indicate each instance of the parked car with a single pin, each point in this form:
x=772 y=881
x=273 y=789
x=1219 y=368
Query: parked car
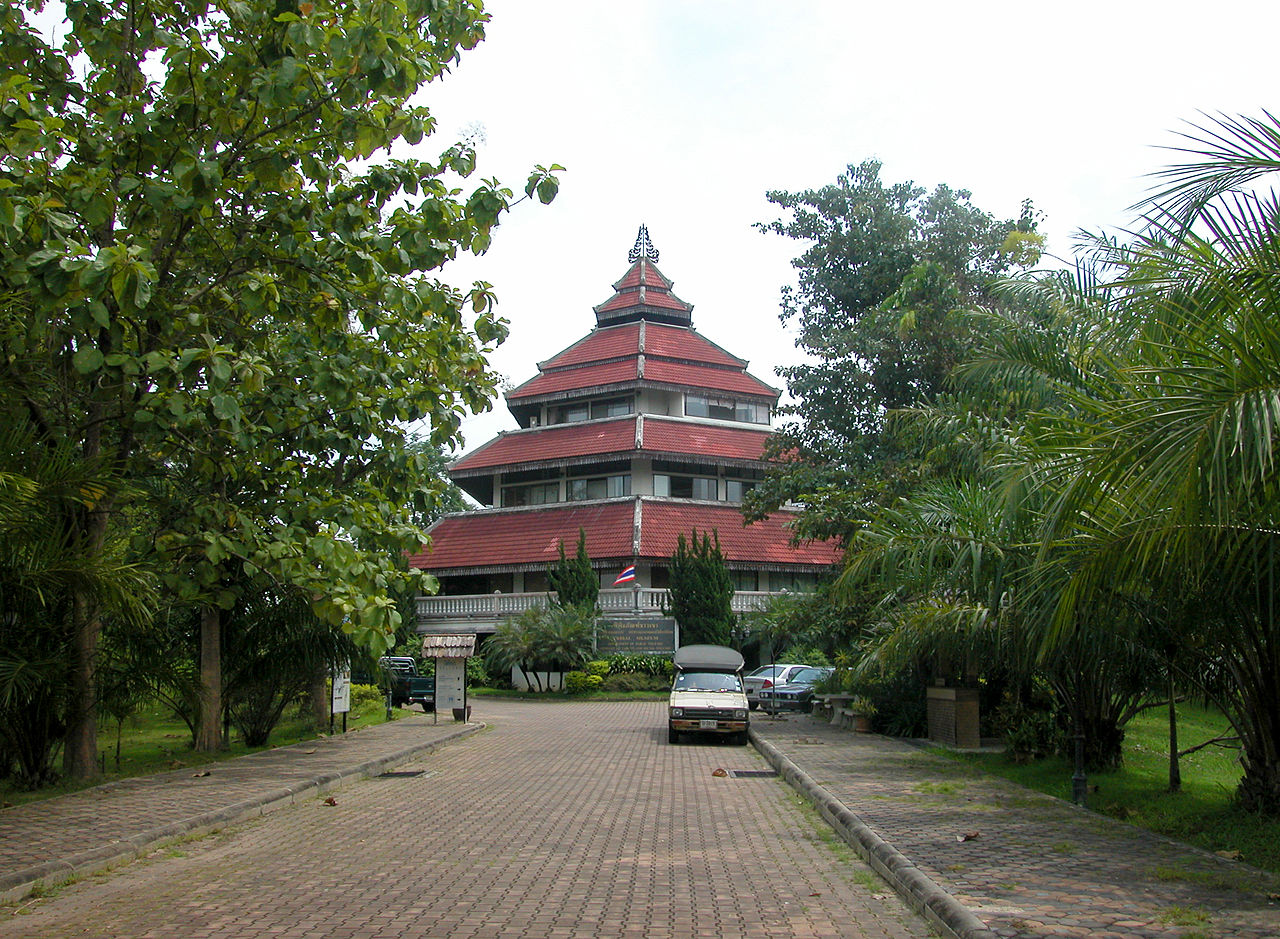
x=796 y=694
x=766 y=676
x=706 y=694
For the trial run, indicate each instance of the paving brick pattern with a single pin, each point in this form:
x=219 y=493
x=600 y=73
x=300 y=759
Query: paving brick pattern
x=1038 y=866
x=56 y=829
x=564 y=820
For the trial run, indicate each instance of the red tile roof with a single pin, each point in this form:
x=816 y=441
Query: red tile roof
x=644 y=273
x=525 y=537
x=570 y=379
x=702 y=376
x=626 y=299
x=603 y=342
x=728 y=443
x=559 y=441
x=678 y=342
x=529 y=537
x=764 y=542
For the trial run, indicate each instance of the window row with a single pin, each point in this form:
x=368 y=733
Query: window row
x=726 y=409
x=576 y=490
x=591 y=410
x=706 y=488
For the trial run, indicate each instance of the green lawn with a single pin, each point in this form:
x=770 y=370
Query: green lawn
x=1203 y=813
x=154 y=741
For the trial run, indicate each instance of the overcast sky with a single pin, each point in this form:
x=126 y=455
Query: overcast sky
x=682 y=115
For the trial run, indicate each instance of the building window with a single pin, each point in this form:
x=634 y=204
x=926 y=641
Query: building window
x=745 y=580
x=614 y=407
x=571 y=413
x=685 y=487
x=726 y=409
x=535 y=494
x=591 y=410
x=602 y=487
x=735 y=490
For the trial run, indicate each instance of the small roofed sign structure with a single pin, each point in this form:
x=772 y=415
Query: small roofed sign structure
x=461 y=646
x=451 y=652
x=708 y=659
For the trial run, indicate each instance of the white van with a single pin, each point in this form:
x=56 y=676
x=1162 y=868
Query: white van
x=707 y=696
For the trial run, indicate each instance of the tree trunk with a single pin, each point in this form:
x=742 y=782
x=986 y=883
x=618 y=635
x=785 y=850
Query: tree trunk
x=1175 y=771
x=80 y=756
x=318 y=698
x=209 y=725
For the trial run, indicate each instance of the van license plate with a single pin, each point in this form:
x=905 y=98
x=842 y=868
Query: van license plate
x=707 y=725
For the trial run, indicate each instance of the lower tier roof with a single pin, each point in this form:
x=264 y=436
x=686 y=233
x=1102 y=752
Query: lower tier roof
x=636 y=528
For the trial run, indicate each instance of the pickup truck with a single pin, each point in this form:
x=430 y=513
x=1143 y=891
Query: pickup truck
x=408 y=686
x=707 y=695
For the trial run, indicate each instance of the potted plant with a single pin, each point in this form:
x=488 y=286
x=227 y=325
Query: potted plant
x=863 y=710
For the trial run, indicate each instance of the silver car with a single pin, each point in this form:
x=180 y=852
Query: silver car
x=766 y=676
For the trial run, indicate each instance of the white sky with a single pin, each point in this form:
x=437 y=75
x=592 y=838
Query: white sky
x=682 y=115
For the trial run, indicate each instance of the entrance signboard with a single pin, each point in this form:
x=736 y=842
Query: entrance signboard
x=645 y=635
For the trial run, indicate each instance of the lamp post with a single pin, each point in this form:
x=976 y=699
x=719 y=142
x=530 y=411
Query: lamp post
x=1079 y=784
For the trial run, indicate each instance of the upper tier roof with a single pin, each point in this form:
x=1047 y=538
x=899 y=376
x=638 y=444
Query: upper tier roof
x=620 y=530
x=644 y=292
x=570 y=443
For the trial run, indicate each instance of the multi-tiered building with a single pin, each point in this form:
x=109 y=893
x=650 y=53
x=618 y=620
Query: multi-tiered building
x=642 y=430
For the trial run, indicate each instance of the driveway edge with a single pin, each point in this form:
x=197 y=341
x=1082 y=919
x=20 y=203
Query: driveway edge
x=16 y=886
x=940 y=908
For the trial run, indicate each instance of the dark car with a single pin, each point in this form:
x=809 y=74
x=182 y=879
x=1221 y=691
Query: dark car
x=796 y=694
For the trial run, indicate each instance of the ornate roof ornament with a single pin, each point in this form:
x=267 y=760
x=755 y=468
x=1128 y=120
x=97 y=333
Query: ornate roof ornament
x=643 y=247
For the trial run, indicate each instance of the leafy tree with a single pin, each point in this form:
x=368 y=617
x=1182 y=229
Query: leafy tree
x=882 y=284
x=555 y=638
x=225 y=278
x=574 y=581
x=700 y=595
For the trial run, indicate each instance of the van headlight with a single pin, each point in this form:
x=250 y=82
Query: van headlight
x=677 y=712
x=740 y=714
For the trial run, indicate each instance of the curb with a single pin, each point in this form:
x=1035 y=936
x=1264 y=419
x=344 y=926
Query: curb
x=937 y=906
x=18 y=885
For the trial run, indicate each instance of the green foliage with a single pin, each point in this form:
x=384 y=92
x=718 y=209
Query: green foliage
x=883 y=281
x=635 y=681
x=700 y=592
x=581 y=682
x=574 y=582
x=367 y=698
x=477 y=671
x=597 y=667
x=226 y=292
x=1030 y=730
x=632 y=663
x=541 y=638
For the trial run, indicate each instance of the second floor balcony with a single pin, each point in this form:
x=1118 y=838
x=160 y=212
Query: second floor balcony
x=489 y=609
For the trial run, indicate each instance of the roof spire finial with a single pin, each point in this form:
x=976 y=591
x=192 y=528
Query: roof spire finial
x=643 y=247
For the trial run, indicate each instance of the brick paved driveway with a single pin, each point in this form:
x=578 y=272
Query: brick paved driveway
x=562 y=820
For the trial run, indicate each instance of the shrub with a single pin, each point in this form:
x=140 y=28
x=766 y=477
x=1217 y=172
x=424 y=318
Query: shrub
x=477 y=672
x=364 y=697
x=597 y=667
x=1031 y=728
x=581 y=682
x=631 y=663
x=632 y=681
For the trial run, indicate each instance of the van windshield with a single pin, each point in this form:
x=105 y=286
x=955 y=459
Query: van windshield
x=708 y=681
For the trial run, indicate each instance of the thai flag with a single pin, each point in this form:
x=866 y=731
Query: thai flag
x=628 y=574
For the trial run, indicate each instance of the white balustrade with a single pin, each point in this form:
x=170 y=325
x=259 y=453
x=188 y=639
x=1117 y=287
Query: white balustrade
x=496 y=606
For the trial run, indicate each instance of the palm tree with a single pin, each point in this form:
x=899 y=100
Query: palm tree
x=1168 y=469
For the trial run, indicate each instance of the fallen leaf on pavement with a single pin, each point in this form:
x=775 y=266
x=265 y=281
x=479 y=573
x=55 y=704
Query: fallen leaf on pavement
x=203 y=772
x=330 y=801
x=967 y=836
x=312 y=750
x=1229 y=855
x=719 y=772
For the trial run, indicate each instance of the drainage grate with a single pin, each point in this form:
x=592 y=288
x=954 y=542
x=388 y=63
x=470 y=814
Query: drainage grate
x=753 y=773
x=401 y=774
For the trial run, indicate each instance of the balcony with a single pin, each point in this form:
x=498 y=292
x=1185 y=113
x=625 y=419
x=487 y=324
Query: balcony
x=488 y=609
